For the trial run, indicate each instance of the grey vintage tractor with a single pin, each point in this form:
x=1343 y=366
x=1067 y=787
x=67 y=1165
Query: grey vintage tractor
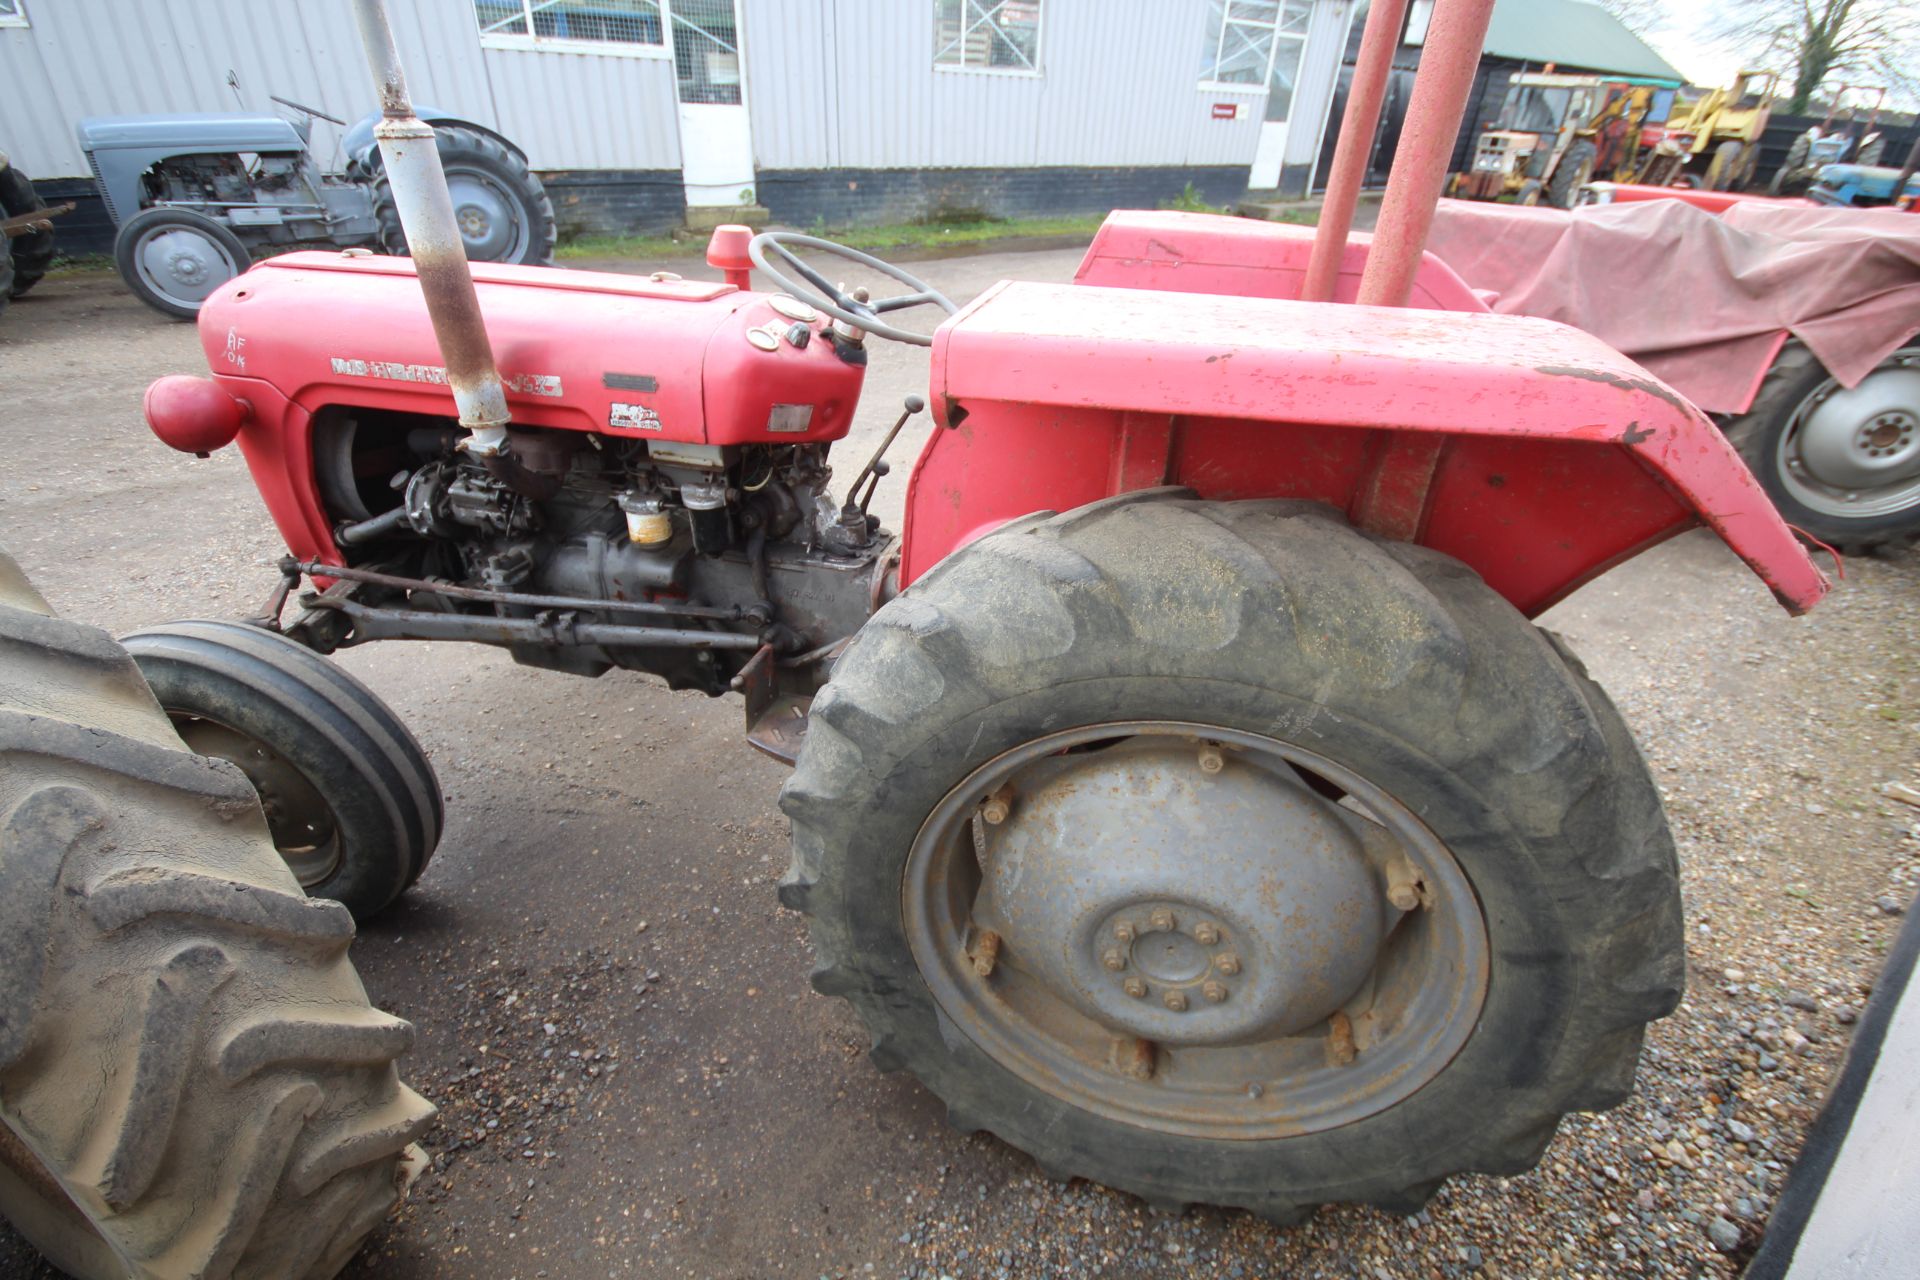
x=196 y=197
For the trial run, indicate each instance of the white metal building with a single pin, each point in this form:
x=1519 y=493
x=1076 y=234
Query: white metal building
x=840 y=110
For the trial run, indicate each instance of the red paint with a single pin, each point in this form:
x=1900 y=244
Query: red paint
x=1358 y=126
x=727 y=253
x=1447 y=68
x=1205 y=253
x=1226 y=111
x=1699 y=197
x=1561 y=458
x=272 y=337
x=193 y=415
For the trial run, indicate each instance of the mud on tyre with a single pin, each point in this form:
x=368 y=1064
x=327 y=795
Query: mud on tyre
x=1273 y=680
x=192 y=1082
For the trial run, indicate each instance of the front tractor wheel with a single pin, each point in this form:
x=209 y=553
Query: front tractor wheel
x=352 y=801
x=1221 y=853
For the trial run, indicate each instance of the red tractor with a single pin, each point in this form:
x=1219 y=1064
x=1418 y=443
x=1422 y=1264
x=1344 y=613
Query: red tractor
x=1184 y=794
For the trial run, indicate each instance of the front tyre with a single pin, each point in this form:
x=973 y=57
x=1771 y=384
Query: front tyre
x=351 y=799
x=1219 y=852
x=173 y=259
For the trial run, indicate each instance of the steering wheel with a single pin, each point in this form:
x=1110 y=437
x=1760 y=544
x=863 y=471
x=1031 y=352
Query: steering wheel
x=826 y=297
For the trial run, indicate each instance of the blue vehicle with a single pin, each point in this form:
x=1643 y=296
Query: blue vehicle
x=1860 y=185
x=195 y=197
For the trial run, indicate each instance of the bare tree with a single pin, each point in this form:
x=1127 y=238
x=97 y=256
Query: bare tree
x=1817 y=42
x=1642 y=17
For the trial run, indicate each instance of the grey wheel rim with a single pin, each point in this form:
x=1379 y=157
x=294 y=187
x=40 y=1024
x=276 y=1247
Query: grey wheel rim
x=492 y=225
x=1855 y=452
x=1195 y=930
x=299 y=818
x=181 y=264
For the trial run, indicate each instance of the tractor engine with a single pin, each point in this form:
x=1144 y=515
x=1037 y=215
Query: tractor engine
x=745 y=539
x=661 y=499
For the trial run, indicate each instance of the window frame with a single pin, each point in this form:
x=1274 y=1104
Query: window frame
x=18 y=18
x=1273 y=50
x=1034 y=72
x=530 y=43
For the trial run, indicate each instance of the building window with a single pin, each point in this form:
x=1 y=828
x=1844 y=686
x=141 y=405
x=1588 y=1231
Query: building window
x=706 y=51
x=585 y=26
x=13 y=13
x=1255 y=45
x=987 y=35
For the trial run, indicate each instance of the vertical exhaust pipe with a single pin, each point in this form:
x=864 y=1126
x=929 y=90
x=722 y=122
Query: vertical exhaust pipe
x=411 y=155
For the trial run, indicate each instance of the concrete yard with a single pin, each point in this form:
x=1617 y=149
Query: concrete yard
x=613 y=1012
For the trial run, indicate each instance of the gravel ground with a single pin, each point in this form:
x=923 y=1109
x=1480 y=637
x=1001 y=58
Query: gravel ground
x=634 y=1078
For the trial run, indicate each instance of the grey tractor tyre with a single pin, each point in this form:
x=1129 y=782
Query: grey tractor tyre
x=192 y=1082
x=32 y=253
x=465 y=147
x=1574 y=171
x=1275 y=618
x=338 y=733
x=6 y=282
x=1794 y=375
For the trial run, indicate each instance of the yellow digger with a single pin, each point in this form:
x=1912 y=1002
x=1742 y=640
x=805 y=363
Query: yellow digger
x=1725 y=124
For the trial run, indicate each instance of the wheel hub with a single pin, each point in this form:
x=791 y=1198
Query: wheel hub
x=1195 y=929
x=1112 y=901
x=183 y=264
x=1856 y=451
x=490 y=227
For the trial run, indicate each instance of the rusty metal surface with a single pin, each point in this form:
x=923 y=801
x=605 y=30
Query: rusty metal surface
x=410 y=153
x=1254 y=981
x=22 y=224
x=781 y=729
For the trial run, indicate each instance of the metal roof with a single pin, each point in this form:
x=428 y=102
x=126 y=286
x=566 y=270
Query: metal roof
x=1577 y=33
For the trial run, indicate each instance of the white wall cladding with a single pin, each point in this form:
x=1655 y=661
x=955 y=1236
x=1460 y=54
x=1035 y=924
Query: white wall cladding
x=830 y=83
x=137 y=57
x=1118 y=85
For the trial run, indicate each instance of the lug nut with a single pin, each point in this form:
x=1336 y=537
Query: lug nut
x=1125 y=931
x=986 y=952
x=1228 y=964
x=1215 y=992
x=1161 y=921
x=1113 y=959
x=1176 y=1001
x=1135 y=987
x=1205 y=934
x=997 y=806
x=1211 y=761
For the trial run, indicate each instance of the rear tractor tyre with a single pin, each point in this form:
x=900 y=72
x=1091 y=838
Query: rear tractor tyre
x=1574 y=172
x=32 y=253
x=501 y=207
x=1221 y=853
x=192 y=1082
x=1841 y=463
x=352 y=801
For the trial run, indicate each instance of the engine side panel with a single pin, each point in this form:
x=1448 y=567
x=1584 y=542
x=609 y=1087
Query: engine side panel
x=1529 y=450
x=583 y=351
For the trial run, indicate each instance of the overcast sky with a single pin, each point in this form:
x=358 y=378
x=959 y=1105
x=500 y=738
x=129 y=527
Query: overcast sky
x=1681 y=39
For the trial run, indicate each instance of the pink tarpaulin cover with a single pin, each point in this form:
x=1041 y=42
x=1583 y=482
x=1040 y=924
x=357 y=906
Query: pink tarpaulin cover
x=1702 y=300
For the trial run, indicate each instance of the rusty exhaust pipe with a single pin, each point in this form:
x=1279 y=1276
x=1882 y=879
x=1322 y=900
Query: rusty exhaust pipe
x=412 y=159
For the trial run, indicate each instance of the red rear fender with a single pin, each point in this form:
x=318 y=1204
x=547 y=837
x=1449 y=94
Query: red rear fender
x=1531 y=451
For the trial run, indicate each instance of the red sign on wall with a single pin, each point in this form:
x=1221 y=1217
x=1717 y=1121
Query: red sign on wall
x=1226 y=111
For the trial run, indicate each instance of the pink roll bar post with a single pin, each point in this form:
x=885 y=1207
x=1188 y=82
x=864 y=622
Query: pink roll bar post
x=1452 y=54
x=1358 y=123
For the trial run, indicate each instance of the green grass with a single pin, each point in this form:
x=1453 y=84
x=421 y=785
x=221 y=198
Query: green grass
x=916 y=235
x=80 y=264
